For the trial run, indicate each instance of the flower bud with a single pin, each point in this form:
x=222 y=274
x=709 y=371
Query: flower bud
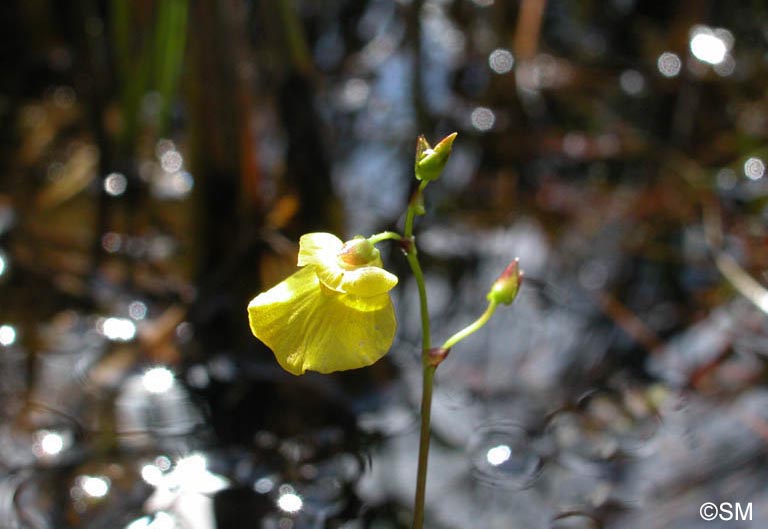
x=504 y=290
x=430 y=162
x=358 y=252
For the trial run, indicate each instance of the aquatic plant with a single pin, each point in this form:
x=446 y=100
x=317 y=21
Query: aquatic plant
x=336 y=314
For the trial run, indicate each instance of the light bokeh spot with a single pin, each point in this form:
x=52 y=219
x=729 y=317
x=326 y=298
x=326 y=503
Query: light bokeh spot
x=115 y=184
x=7 y=335
x=483 y=119
x=754 y=168
x=501 y=60
x=158 y=380
x=290 y=502
x=118 y=329
x=498 y=455
x=51 y=443
x=95 y=486
x=669 y=64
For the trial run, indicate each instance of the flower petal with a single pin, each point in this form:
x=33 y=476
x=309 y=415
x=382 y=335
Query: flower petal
x=344 y=338
x=309 y=327
x=317 y=248
x=368 y=281
x=320 y=250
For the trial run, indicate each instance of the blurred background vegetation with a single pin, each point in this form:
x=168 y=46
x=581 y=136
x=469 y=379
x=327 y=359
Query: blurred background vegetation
x=159 y=159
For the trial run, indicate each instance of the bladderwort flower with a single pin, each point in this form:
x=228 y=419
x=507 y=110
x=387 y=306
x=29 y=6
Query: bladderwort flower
x=334 y=314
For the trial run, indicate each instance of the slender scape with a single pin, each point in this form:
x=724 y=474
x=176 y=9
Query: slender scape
x=415 y=207
x=429 y=164
x=346 y=282
x=428 y=375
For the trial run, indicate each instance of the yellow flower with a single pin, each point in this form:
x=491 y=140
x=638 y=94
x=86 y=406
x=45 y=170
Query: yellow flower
x=332 y=315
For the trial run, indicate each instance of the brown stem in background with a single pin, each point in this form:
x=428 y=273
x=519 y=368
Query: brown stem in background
x=528 y=28
x=730 y=269
x=629 y=321
x=413 y=30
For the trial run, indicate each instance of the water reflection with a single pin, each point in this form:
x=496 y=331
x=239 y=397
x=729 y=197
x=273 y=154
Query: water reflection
x=290 y=502
x=7 y=335
x=710 y=45
x=727 y=67
x=118 y=329
x=112 y=242
x=159 y=520
x=354 y=94
x=191 y=474
x=146 y=408
x=175 y=185
x=264 y=485
x=185 y=491
x=158 y=380
x=137 y=310
x=727 y=179
x=502 y=453
x=171 y=161
x=152 y=474
x=92 y=486
x=483 y=119
x=754 y=168
x=501 y=61
x=115 y=184
x=571 y=185
x=669 y=64
x=50 y=443
x=498 y=455
x=632 y=82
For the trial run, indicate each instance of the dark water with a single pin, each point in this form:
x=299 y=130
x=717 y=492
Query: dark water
x=160 y=160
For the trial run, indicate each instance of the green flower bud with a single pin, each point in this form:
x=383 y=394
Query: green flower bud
x=504 y=290
x=430 y=162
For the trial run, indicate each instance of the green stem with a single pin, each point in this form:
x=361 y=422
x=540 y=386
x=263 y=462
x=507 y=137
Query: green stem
x=416 y=204
x=426 y=339
x=385 y=236
x=472 y=327
x=428 y=371
x=421 y=476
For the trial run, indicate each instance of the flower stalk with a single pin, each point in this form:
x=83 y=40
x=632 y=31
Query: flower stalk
x=336 y=314
x=385 y=236
x=472 y=327
x=428 y=375
x=429 y=165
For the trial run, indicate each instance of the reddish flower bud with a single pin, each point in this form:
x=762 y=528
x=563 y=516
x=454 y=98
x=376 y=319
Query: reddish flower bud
x=504 y=290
